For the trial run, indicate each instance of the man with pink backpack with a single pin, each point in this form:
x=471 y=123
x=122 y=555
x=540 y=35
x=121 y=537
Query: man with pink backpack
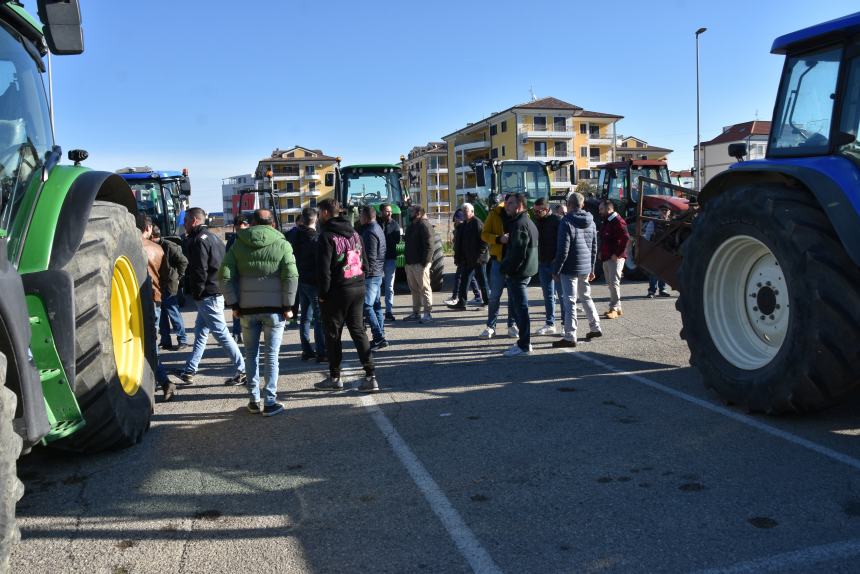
x=342 y=267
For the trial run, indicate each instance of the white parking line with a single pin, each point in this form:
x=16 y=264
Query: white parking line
x=794 y=559
x=475 y=554
x=741 y=418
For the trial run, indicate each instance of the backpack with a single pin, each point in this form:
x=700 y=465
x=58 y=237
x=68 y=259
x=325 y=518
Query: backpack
x=348 y=253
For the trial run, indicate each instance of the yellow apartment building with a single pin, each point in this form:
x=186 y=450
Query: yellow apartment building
x=629 y=147
x=298 y=179
x=425 y=173
x=543 y=129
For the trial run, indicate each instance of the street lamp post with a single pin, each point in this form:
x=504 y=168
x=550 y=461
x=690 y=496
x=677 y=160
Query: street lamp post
x=699 y=32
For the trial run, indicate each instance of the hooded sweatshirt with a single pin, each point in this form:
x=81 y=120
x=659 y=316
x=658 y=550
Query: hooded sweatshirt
x=576 y=251
x=259 y=272
x=494 y=228
x=336 y=235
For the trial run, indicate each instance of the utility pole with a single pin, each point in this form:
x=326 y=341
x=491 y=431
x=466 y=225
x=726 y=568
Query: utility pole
x=699 y=32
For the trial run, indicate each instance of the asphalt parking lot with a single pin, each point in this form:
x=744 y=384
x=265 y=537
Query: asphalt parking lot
x=609 y=458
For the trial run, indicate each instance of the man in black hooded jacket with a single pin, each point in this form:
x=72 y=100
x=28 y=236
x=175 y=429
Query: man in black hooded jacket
x=342 y=267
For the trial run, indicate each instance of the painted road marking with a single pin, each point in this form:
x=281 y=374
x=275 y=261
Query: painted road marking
x=475 y=554
x=741 y=418
x=794 y=559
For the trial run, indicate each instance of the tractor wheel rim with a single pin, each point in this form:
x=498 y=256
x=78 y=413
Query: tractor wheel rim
x=126 y=321
x=746 y=303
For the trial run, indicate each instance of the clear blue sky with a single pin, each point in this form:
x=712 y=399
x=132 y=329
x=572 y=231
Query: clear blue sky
x=214 y=85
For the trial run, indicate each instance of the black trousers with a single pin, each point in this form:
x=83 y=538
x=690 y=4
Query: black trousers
x=345 y=307
x=480 y=272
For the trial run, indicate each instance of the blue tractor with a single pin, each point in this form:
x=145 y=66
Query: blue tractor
x=770 y=274
x=162 y=195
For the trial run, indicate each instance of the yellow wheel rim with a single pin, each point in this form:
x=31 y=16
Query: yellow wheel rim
x=126 y=325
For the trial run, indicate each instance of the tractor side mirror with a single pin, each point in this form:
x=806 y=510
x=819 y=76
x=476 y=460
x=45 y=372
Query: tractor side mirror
x=63 y=31
x=329 y=179
x=480 y=174
x=78 y=155
x=738 y=150
x=185 y=186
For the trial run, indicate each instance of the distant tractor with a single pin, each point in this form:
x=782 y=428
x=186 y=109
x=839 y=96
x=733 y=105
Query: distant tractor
x=162 y=195
x=619 y=181
x=770 y=273
x=496 y=179
x=77 y=339
x=375 y=184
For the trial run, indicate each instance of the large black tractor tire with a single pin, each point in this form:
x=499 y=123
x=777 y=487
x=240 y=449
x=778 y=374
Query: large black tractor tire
x=114 y=418
x=437 y=267
x=11 y=488
x=781 y=334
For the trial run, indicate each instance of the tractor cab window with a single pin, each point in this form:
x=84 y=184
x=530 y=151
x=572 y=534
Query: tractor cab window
x=366 y=187
x=527 y=178
x=805 y=104
x=25 y=126
x=148 y=200
x=615 y=181
x=849 y=126
x=660 y=173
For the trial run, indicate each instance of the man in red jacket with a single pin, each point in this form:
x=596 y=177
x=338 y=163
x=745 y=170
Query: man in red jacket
x=613 y=251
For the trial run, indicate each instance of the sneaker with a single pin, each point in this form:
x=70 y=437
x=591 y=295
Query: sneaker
x=487 y=333
x=476 y=302
x=426 y=318
x=330 y=384
x=546 y=330
x=665 y=294
x=377 y=345
x=166 y=345
x=650 y=295
x=237 y=380
x=458 y=306
x=390 y=317
x=322 y=359
x=515 y=351
x=186 y=376
x=238 y=338
x=255 y=407
x=369 y=385
x=169 y=390
x=273 y=409
x=514 y=332
x=612 y=314
x=412 y=317
x=593 y=335
x=308 y=356
x=451 y=301
x=181 y=346
x=564 y=344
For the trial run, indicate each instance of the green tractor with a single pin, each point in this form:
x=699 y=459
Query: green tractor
x=77 y=340
x=375 y=184
x=496 y=179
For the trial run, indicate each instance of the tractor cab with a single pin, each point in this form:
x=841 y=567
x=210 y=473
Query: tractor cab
x=162 y=195
x=621 y=182
x=371 y=184
x=496 y=179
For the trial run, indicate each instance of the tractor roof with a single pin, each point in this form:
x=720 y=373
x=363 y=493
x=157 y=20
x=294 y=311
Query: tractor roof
x=372 y=166
x=635 y=163
x=149 y=173
x=818 y=35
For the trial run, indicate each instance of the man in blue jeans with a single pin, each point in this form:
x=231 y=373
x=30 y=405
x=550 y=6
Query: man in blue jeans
x=392 y=232
x=373 y=239
x=305 y=244
x=259 y=279
x=519 y=265
x=205 y=253
x=170 y=315
x=494 y=236
x=547 y=226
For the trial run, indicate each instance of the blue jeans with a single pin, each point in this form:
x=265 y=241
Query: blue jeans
x=653 y=282
x=309 y=304
x=171 y=321
x=373 y=307
x=210 y=317
x=497 y=284
x=160 y=372
x=388 y=284
x=473 y=282
x=551 y=293
x=272 y=327
x=518 y=296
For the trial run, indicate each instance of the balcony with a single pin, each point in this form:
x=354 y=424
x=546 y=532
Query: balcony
x=600 y=139
x=472 y=146
x=553 y=154
x=481 y=191
x=311 y=177
x=440 y=187
x=597 y=161
x=312 y=193
x=464 y=169
x=414 y=190
x=551 y=131
x=437 y=170
x=560 y=184
x=438 y=204
x=286 y=177
x=294 y=193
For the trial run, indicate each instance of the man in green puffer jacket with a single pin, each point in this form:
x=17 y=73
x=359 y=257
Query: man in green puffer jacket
x=259 y=279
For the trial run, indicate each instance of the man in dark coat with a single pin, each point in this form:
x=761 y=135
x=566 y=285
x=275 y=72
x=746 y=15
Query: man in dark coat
x=419 y=259
x=392 y=237
x=374 y=246
x=473 y=254
x=547 y=226
x=520 y=263
x=305 y=242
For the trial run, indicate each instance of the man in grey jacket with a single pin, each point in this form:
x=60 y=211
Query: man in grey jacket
x=574 y=266
x=373 y=239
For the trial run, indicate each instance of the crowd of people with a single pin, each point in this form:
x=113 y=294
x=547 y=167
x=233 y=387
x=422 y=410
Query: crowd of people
x=329 y=275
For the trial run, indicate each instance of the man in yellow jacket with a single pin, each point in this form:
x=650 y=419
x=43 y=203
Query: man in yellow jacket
x=494 y=235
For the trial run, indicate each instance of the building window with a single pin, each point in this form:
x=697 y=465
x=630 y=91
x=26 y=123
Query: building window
x=504 y=153
x=540 y=149
x=495 y=153
x=559 y=124
x=583 y=151
x=560 y=149
x=594 y=130
x=290 y=203
x=312 y=202
x=539 y=124
x=584 y=174
x=583 y=128
x=504 y=127
x=291 y=218
x=309 y=170
x=594 y=154
x=289 y=187
x=494 y=129
x=312 y=186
